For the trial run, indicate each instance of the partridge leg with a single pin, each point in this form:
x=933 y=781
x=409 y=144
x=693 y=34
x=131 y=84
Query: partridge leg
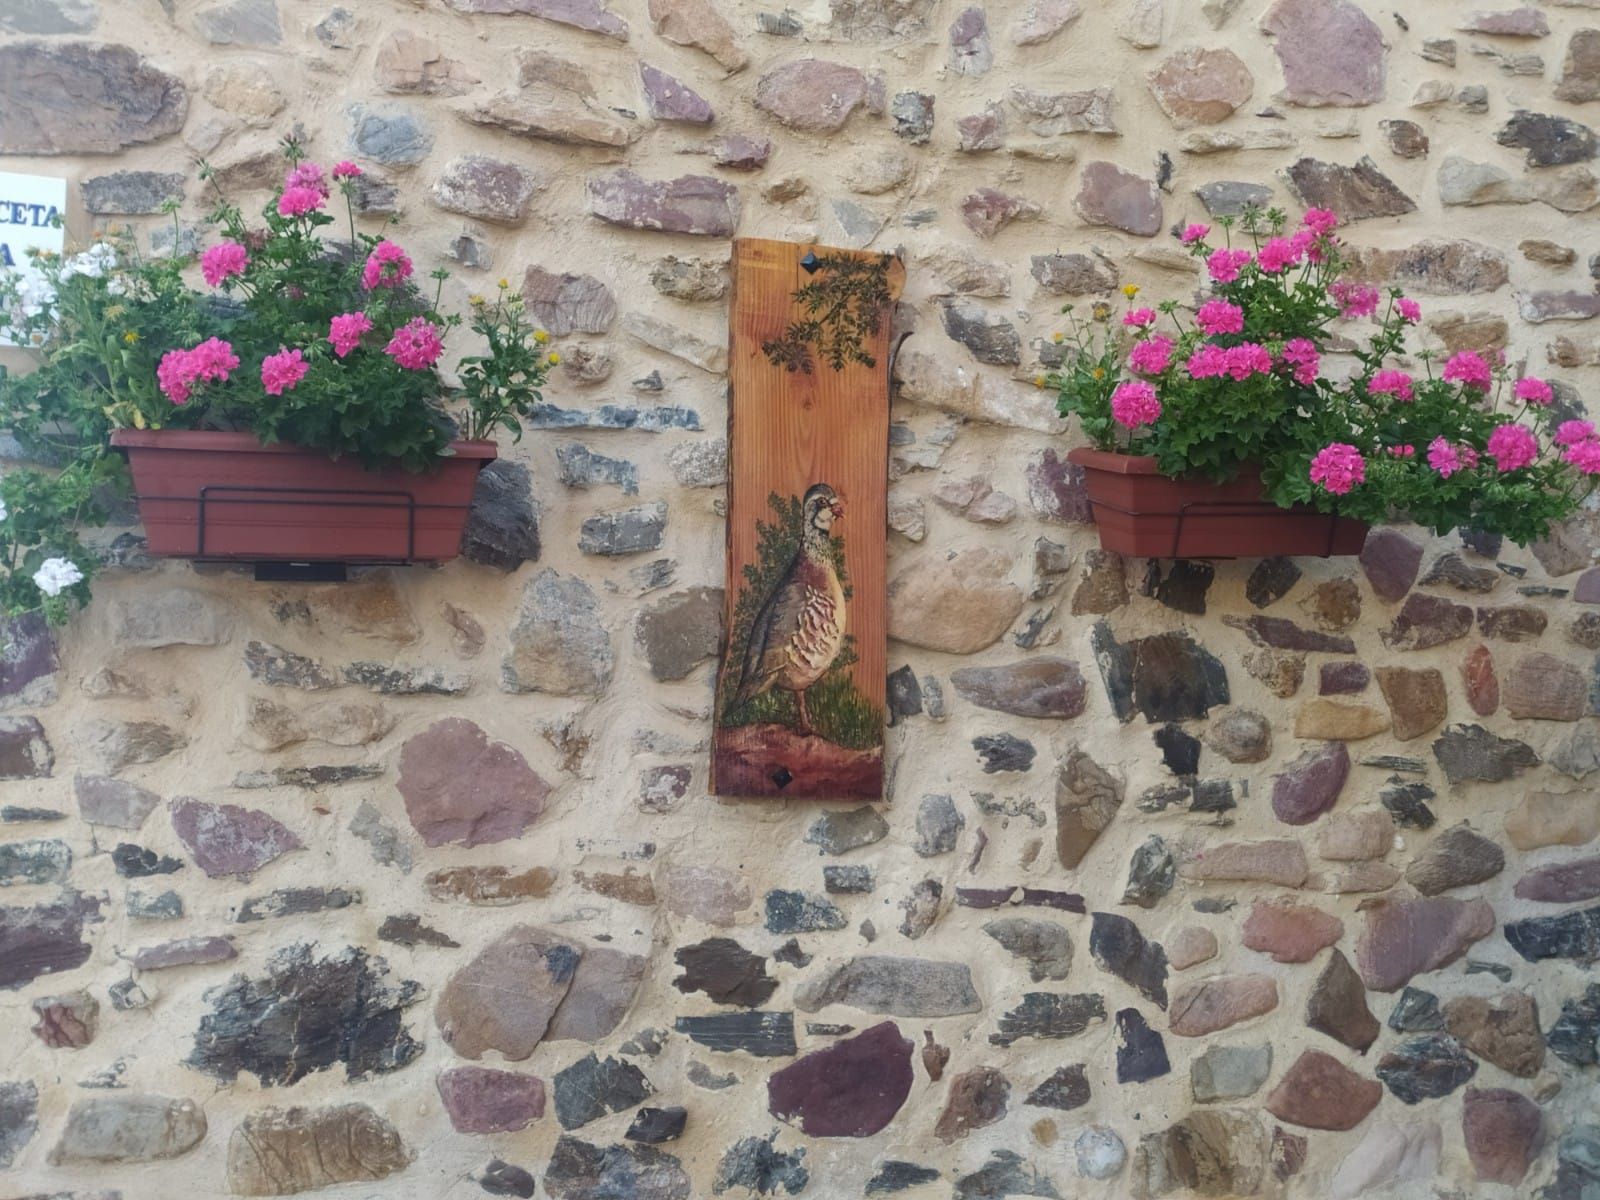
x=805 y=714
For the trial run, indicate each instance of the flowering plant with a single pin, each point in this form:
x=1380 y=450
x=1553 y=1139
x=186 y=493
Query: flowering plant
x=1240 y=380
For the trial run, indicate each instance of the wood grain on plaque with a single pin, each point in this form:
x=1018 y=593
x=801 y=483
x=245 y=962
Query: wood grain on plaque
x=800 y=690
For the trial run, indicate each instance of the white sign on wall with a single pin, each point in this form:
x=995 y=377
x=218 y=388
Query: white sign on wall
x=32 y=209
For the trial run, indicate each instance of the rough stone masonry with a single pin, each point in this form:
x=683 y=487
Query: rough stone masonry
x=1242 y=878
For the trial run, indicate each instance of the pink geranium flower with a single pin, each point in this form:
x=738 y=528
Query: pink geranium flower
x=1225 y=265
x=179 y=371
x=1301 y=354
x=1194 y=232
x=298 y=201
x=1321 y=221
x=1218 y=316
x=1512 y=446
x=1139 y=318
x=1469 y=370
x=1151 y=356
x=1134 y=404
x=415 y=345
x=1338 y=467
x=1447 y=459
x=387 y=266
x=1410 y=311
x=1247 y=359
x=1403 y=451
x=280 y=372
x=1585 y=456
x=345 y=330
x=306 y=175
x=346 y=170
x=1207 y=362
x=1392 y=383
x=1278 y=254
x=1570 y=433
x=1354 y=299
x=1534 y=391
x=223 y=261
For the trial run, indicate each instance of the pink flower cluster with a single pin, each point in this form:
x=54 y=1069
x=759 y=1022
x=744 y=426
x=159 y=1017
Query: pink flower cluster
x=415 y=345
x=1151 y=356
x=345 y=330
x=298 y=201
x=1354 y=299
x=223 y=261
x=1321 y=221
x=1236 y=362
x=1447 y=458
x=1134 y=404
x=1535 y=391
x=306 y=175
x=347 y=170
x=1279 y=254
x=1512 y=446
x=1139 y=318
x=1225 y=265
x=180 y=371
x=1194 y=233
x=1338 y=467
x=1410 y=311
x=1393 y=383
x=1218 y=316
x=387 y=266
x=280 y=372
x=1469 y=370
x=1301 y=355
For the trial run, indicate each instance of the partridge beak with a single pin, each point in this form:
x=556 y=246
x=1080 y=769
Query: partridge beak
x=838 y=510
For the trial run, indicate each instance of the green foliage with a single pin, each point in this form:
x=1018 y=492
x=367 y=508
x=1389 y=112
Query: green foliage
x=846 y=303
x=839 y=712
x=41 y=512
x=502 y=385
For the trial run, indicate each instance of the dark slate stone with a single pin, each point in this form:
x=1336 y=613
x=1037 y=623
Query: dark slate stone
x=1280 y=633
x=1066 y=1089
x=311 y=778
x=657 y=1125
x=1416 y=1011
x=13 y=814
x=126 y=995
x=724 y=970
x=840 y=831
x=1184 y=585
x=277 y=667
x=1049 y=1015
x=1575 y=1036
x=27 y=655
x=895 y=1176
x=1003 y=752
x=292 y=902
x=25 y=752
x=593 y=1087
x=1452 y=570
x=791 y=953
x=1408 y=804
x=1048 y=898
x=1425 y=621
x=42 y=939
x=581 y=1171
x=503 y=1179
x=912 y=113
x=1151 y=873
x=1229 y=198
x=1426 y=1067
x=1356 y=193
x=1141 y=1054
x=1119 y=947
x=1549 y=140
x=1343 y=678
x=626 y=531
x=1574 y=935
x=1396 y=762
x=19 y=1117
x=852 y=1088
x=1577 y=1174
x=35 y=861
x=1006 y=1173
x=1470 y=753
x=654 y=419
x=799 y=912
x=764 y=1034
x=503 y=528
x=1481 y=543
x=904 y=695
x=847 y=880
x=1164 y=677
x=306 y=1014
x=168 y=906
x=939 y=824
x=407 y=929
x=757 y=1165
x=1180 y=751
x=988 y=336
x=1271 y=580
x=1478 y=966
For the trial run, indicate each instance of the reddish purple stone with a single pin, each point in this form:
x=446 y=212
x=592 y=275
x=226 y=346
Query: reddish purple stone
x=1310 y=785
x=851 y=1089
x=228 y=840
x=689 y=204
x=1391 y=561
x=1057 y=491
x=1561 y=883
x=1587 y=589
x=483 y=1100
x=1343 y=678
x=28 y=651
x=739 y=152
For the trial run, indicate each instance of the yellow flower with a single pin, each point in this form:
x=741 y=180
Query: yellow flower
x=1058 y=336
x=1130 y=290
x=540 y=336
x=476 y=300
x=1038 y=381
x=504 y=283
x=131 y=336
x=555 y=358
x=1099 y=372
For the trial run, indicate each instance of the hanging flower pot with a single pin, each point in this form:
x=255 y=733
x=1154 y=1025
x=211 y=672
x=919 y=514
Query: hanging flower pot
x=214 y=495
x=1142 y=513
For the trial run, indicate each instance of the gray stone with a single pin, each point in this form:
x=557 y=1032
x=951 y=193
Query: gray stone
x=1356 y=193
x=790 y=911
x=19 y=1117
x=1550 y=141
x=625 y=531
x=581 y=1171
x=182 y=952
x=690 y=278
x=593 y=1087
x=840 y=831
x=679 y=632
x=1227 y=198
x=240 y=23
x=50 y=16
x=116 y=803
x=901 y=987
x=486 y=188
x=84 y=98
x=1108 y=195
x=1229 y=1072
x=559 y=643
x=503 y=527
x=1044 y=945
x=912 y=113
x=939 y=824
x=277 y=667
x=130 y=193
x=34 y=861
x=1470 y=753
x=169 y=617
x=388 y=134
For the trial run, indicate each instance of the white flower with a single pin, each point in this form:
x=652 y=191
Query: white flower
x=3 y=512
x=56 y=575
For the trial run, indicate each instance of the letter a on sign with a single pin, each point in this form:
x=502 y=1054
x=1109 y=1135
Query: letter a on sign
x=800 y=689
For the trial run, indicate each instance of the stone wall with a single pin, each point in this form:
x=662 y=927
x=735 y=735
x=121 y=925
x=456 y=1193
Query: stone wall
x=1278 y=889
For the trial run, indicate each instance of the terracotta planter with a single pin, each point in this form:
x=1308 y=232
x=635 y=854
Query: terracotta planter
x=226 y=496
x=1141 y=512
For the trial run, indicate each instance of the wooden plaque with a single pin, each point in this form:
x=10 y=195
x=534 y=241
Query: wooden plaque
x=800 y=689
